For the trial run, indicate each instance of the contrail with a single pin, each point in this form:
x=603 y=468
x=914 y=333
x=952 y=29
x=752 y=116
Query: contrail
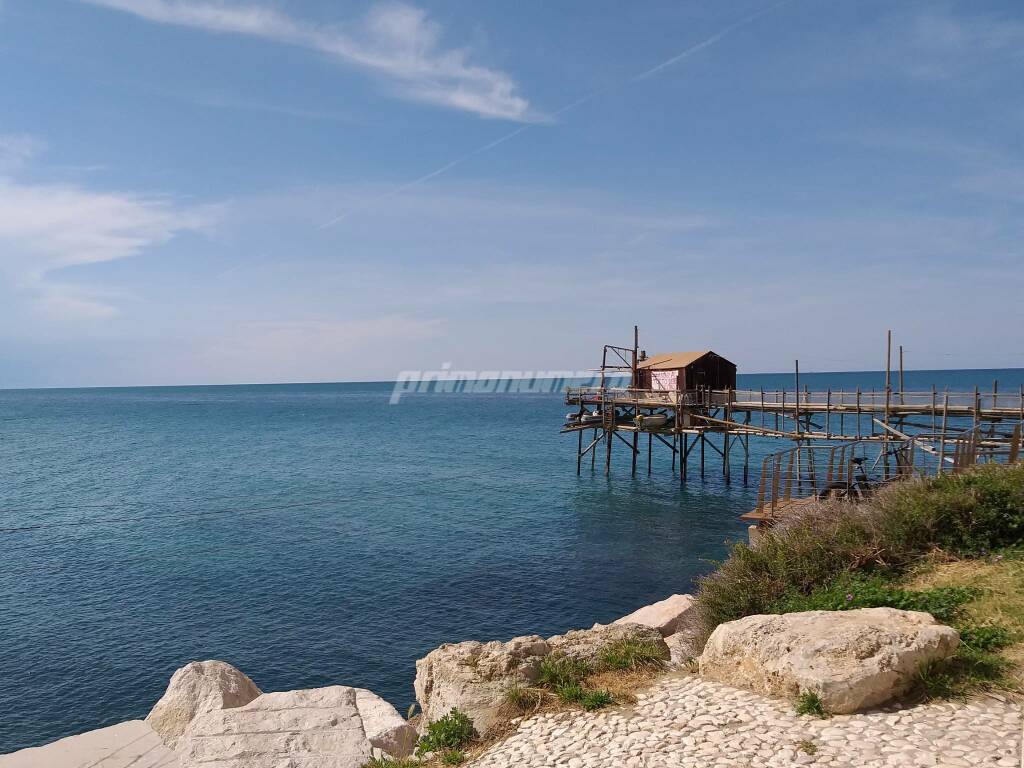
x=561 y=111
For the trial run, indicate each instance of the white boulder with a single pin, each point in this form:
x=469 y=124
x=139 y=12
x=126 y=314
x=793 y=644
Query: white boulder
x=316 y=728
x=473 y=677
x=384 y=726
x=196 y=688
x=852 y=660
x=666 y=615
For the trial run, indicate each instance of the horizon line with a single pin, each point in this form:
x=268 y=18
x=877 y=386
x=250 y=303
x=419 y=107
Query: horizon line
x=477 y=378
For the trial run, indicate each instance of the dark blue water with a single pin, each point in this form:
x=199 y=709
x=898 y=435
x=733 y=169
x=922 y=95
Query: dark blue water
x=314 y=535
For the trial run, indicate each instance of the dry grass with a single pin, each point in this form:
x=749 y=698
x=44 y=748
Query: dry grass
x=999 y=581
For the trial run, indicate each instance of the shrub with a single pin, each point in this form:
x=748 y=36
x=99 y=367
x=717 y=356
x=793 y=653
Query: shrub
x=453 y=757
x=967 y=513
x=809 y=703
x=451 y=732
x=557 y=671
x=631 y=654
x=860 y=590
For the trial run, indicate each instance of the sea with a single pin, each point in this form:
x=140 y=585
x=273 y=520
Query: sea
x=315 y=534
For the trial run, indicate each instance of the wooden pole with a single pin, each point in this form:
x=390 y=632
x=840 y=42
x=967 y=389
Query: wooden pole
x=934 y=407
x=888 y=400
x=942 y=437
x=797 y=411
x=901 y=375
x=636 y=449
x=634 y=380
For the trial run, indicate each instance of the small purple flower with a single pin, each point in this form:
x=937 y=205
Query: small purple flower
x=849 y=597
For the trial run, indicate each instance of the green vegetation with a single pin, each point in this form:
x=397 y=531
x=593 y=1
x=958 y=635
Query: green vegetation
x=387 y=762
x=449 y=734
x=967 y=514
x=453 y=757
x=889 y=551
x=631 y=654
x=864 y=590
x=596 y=700
x=557 y=671
x=808 y=703
x=566 y=677
x=521 y=700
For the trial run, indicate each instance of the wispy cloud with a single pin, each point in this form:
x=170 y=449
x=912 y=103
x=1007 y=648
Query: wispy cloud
x=941 y=42
x=47 y=227
x=395 y=40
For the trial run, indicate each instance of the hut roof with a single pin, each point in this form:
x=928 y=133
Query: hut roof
x=671 y=360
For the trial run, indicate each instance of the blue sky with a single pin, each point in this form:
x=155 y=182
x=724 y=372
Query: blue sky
x=204 y=191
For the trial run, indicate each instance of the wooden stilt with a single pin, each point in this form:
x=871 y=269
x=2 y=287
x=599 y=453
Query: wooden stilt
x=636 y=450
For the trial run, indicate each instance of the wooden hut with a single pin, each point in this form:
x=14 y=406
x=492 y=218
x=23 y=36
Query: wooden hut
x=680 y=371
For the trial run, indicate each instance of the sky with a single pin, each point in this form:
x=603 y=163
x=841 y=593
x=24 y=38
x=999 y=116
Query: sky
x=243 y=191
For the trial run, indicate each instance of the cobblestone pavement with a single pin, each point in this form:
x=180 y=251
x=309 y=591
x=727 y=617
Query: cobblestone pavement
x=686 y=721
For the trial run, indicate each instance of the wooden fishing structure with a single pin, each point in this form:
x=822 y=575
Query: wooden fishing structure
x=688 y=402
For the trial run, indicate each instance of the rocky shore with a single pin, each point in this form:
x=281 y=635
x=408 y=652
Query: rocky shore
x=728 y=702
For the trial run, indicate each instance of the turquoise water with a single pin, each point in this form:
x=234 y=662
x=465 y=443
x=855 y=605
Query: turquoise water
x=314 y=535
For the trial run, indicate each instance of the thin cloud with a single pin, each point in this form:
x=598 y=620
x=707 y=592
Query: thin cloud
x=653 y=71
x=47 y=227
x=395 y=40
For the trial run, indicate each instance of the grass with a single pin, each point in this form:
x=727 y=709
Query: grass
x=923 y=545
x=387 y=762
x=557 y=671
x=632 y=655
x=808 y=703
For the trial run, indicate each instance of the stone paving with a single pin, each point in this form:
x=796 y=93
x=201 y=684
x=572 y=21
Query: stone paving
x=686 y=721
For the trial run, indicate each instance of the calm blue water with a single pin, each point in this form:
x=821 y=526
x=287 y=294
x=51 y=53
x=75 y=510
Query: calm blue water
x=315 y=535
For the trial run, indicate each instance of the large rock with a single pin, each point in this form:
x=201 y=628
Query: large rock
x=317 y=728
x=666 y=615
x=589 y=644
x=196 y=688
x=852 y=660
x=473 y=677
x=132 y=744
x=384 y=727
